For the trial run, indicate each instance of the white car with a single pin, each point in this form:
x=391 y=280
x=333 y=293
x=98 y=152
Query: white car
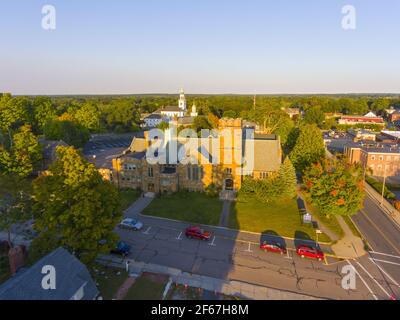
x=131 y=224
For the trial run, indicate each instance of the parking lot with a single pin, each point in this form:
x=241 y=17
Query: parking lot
x=238 y=257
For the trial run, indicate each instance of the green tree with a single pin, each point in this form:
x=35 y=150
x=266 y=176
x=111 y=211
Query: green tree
x=66 y=130
x=335 y=187
x=309 y=147
x=43 y=111
x=75 y=208
x=287 y=179
x=314 y=116
x=15 y=201
x=24 y=155
x=88 y=117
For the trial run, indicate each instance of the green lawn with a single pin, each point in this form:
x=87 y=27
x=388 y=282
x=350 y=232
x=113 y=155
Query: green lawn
x=109 y=279
x=147 y=287
x=352 y=227
x=128 y=196
x=191 y=207
x=281 y=216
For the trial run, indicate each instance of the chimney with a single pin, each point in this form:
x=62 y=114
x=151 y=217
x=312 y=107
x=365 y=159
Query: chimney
x=16 y=258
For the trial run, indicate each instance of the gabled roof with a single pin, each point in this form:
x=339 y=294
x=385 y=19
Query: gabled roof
x=71 y=275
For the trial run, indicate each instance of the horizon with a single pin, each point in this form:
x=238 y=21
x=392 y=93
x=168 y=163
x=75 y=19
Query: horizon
x=224 y=48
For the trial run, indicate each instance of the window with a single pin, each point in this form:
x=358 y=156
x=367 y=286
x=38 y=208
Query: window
x=264 y=175
x=150 y=172
x=372 y=157
x=228 y=170
x=189 y=173
x=381 y=158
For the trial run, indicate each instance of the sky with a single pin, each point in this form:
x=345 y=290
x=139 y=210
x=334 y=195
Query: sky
x=203 y=46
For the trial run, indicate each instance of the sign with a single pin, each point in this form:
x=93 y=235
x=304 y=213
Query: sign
x=307 y=218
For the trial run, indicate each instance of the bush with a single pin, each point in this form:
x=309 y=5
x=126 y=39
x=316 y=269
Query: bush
x=378 y=188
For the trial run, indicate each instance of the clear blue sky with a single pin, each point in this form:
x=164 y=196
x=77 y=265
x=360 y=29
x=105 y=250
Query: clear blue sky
x=205 y=46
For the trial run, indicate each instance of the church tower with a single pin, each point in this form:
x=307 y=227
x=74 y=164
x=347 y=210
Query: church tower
x=182 y=101
x=194 y=111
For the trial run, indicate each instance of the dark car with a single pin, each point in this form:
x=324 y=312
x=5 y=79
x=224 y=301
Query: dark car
x=310 y=252
x=273 y=247
x=122 y=249
x=197 y=233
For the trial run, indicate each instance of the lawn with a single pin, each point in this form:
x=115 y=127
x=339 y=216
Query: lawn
x=147 y=287
x=352 y=227
x=280 y=216
x=108 y=279
x=128 y=196
x=191 y=207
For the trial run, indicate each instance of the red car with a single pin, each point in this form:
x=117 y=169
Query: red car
x=310 y=252
x=273 y=247
x=198 y=233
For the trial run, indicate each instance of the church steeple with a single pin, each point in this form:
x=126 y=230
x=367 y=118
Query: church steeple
x=182 y=101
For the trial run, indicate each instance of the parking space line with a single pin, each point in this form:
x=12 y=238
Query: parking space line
x=249 y=248
x=288 y=255
x=212 y=243
x=179 y=237
x=147 y=231
x=362 y=279
x=385 y=254
x=388 y=262
x=384 y=272
x=379 y=285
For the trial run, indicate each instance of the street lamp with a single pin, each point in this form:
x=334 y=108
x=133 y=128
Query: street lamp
x=317 y=232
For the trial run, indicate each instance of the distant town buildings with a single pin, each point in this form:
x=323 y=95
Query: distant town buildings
x=369 y=118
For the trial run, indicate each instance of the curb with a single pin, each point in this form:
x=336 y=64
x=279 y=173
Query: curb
x=229 y=229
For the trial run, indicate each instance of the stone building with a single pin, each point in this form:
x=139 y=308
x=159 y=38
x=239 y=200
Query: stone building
x=133 y=170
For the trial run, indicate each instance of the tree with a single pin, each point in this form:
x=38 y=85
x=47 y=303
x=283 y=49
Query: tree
x=66 y=130
x=309 y=147
x=15 y=201
x=201 y=122
x=75 y=208
x=24 y=156
x=229 y=114
x=287 y=178
x=43 y=111
x=314 y=116
x=335 y=187
x=88 y=117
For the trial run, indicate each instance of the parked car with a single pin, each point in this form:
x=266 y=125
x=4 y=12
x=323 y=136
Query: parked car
x=122 y=249
x=197 y=233
x=273 y=247
x=310 y=252
x=131 y=224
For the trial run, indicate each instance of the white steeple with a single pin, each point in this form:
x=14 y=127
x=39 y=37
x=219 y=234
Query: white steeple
x=182 y=101
x=194 y=111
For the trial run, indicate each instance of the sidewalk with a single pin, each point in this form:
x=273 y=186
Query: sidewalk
x=224 y=220
x=137 y=207
x=349 y=246
x=227 y=287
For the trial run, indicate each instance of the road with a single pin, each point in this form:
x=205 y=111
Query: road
x=234 y=255
x=383 y=236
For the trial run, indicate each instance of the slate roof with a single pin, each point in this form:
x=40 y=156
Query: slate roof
x=71 y=275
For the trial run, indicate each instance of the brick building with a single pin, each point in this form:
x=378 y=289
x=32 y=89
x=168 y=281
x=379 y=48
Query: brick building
x=381 y=159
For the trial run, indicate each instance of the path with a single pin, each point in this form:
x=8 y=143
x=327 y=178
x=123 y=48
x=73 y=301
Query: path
x=224 y=220
x=137 y=207
x=350 y=245
x=123 y=290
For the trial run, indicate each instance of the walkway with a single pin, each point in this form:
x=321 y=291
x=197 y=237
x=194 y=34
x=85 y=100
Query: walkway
x=224 y=220
x=350 y=245
x=137 y=207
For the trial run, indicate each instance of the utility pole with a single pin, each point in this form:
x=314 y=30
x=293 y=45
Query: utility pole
x=383 y=186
